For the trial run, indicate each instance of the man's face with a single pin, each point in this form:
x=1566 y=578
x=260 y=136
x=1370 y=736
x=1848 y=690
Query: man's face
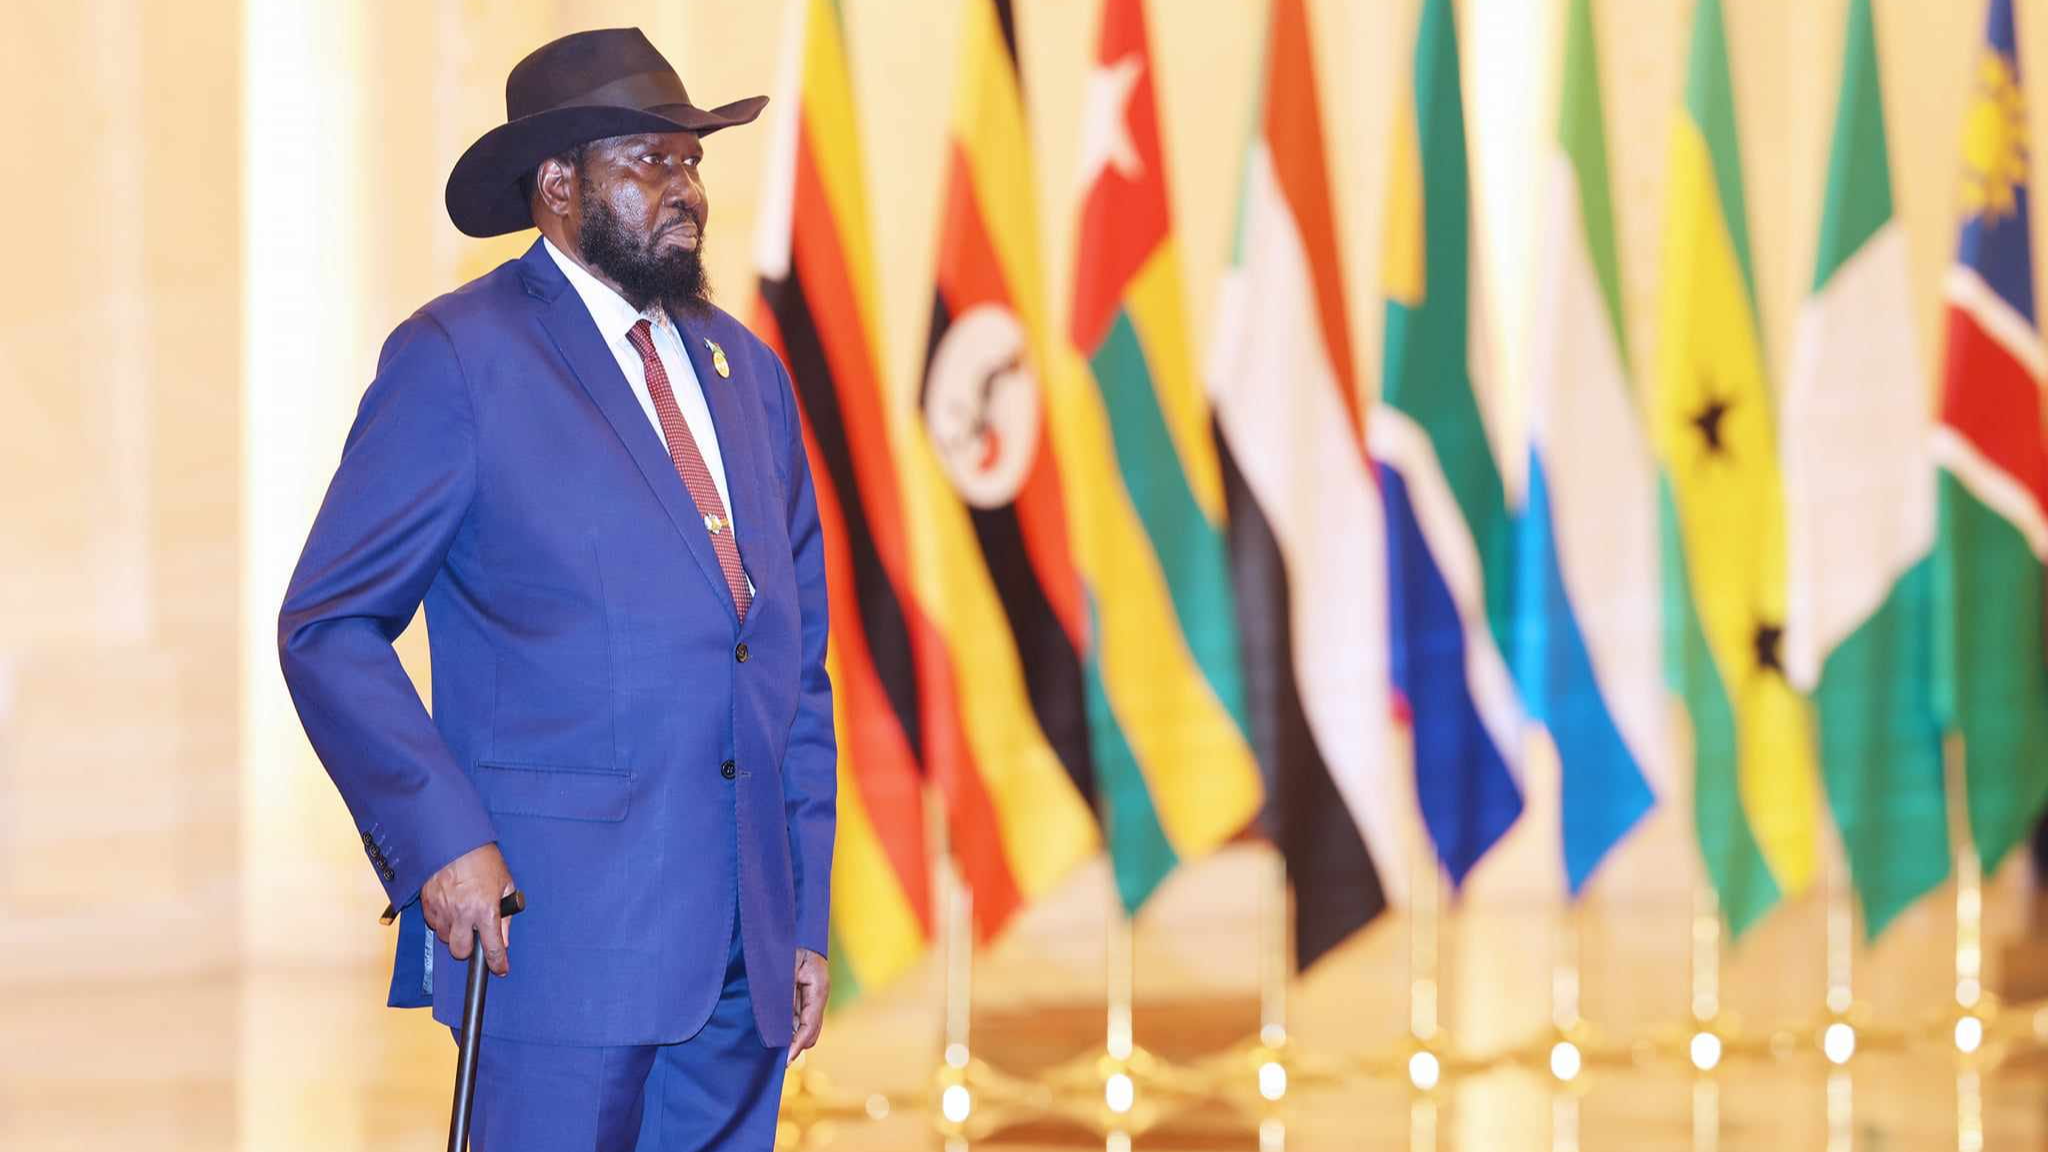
x=639 y=217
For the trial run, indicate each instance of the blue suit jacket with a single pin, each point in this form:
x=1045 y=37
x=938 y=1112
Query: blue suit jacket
x=591 y=679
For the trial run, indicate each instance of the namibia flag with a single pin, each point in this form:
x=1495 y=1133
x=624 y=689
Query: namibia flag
x=1991 y=573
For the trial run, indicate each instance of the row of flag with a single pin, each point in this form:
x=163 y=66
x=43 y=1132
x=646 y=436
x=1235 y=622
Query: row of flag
x=1090 y=593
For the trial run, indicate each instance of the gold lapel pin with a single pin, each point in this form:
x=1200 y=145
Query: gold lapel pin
x=718 y=358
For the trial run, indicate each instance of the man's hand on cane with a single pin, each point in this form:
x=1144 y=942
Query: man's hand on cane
x=462 y=899
x=813 y=985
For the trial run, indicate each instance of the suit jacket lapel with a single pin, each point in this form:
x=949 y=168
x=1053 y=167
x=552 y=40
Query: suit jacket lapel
x=737 y=440
x=568 y=322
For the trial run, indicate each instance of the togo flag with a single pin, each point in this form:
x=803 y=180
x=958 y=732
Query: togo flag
x=1755 y=797
x=1859 y=494
x=1136 y=449
x=1586 y=652
x=1449 y=539
x=1990 y=664
x=1307 y=542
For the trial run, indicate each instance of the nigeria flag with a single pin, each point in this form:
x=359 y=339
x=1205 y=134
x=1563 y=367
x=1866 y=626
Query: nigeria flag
x=1859 y=485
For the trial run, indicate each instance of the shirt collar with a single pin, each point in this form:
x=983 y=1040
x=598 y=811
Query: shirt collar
x=613 y=315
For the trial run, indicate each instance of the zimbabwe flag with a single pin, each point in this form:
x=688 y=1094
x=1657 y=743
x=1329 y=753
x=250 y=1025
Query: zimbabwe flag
x=817 y=309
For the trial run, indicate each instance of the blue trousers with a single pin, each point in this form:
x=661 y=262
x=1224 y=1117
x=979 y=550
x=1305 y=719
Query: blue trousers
x=719 y=1090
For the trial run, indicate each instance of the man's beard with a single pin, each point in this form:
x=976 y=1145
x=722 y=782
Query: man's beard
x=645 y=273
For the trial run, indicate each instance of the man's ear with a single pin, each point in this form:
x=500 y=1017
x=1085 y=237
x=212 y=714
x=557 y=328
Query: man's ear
x=554 y=186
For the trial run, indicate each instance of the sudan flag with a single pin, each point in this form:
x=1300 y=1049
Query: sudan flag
x=817 y=309
x=1131 y=429
x=989 y=537
x=1755 y=789
x=1307 y=538
x=1991 y=668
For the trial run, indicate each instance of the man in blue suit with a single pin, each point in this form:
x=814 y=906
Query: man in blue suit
x=596 y=482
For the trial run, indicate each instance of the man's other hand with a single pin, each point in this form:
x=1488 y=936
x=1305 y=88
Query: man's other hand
x=462 y=899
x=813 y=985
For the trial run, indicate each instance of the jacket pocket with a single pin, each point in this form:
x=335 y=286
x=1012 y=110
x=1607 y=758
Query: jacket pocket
x=558 y=791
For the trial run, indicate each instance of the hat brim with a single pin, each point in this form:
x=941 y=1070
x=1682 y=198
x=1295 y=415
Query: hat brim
x=483 y=188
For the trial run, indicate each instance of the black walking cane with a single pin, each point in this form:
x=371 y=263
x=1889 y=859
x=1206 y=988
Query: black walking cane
x=471 y=1035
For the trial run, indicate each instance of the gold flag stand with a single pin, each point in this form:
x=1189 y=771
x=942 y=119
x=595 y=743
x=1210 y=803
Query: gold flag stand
x=1122 y=1090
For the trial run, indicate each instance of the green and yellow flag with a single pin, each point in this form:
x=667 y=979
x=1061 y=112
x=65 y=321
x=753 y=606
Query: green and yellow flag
x=1174 y=771
x=1755 y=793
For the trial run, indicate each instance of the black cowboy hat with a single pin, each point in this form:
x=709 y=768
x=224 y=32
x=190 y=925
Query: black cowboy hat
x=586 y=86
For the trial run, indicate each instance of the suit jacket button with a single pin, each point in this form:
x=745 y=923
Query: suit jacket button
x=728 y=770
x=740 y=653
x=369 y=841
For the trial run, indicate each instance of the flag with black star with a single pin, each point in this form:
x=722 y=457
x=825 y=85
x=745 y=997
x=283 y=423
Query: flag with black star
x=1756 y=796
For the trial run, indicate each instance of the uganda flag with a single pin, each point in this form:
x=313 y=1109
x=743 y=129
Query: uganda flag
x=1307 y=538
x=1755 y=788
x=817 y=310
x=1992 y=447
x=989 y=536
x=1136 y=448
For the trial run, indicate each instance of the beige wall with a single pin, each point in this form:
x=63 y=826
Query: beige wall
x=119 y=590
x=220 y=210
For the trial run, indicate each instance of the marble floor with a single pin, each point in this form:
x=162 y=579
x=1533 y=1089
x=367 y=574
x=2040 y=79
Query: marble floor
x=304 y=1061
x=179 y=1032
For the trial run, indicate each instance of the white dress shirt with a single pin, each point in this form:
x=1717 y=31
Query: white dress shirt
x=615 y=318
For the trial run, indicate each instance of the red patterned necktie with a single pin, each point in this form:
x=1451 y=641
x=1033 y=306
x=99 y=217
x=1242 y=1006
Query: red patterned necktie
x=689 y=462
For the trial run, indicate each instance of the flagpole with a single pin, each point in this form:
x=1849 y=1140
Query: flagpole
x=1425 y=1067
x=953 y=1078
x=1705 y=1044
x=1276 y=959
x=1838 y=1034
x=959 y=1005
x=1567 y=1054
x=1119 y=1084
x=1272 y=1068
x=1969 y=989
x=1841 y=937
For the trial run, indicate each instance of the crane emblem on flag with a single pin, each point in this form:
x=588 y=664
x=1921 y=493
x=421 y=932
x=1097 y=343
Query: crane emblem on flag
x=982 y=407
